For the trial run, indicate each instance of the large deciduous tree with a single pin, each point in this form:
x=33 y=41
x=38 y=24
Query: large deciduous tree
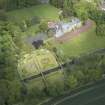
x=8 y=68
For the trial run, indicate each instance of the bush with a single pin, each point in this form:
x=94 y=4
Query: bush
x=23 y=26
x=33 y=21
x=28 y=23
x=43 y=27
x=56 y=88
x=100 y=29
x=72 y=81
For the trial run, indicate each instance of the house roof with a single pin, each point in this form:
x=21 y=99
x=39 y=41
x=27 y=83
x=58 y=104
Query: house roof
x=51 y=24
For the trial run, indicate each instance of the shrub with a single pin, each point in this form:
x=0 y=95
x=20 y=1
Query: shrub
x=56 y=88
x=43 y=27
x=72 y=81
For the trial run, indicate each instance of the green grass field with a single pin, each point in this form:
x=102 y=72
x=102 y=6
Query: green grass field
x=86 y=42
x=41 y=11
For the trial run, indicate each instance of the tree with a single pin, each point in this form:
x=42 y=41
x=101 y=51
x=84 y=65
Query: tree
x=72 y=81
x=43 y=27
x=56 y=88
x=81 y=10
x=100 y=30
x=80 y=76
x=56 y=3
x=68 y=8
x=15 y=4
x=8 y=67
x=99 y=17
x=3 y=91
x=95 y=74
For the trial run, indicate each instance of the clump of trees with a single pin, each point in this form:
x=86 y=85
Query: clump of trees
x=87 y=69
x=10 y=86
x=83 y=10
x=79 y=8
x=15 y=4
x=25 y=24
x=43 y=26
x=11 y=45
x=99 y=17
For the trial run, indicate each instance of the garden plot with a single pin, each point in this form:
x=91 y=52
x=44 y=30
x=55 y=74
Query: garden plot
x=36 y=62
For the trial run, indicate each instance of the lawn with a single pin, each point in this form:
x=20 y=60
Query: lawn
x=41 y=11
x=86 y=42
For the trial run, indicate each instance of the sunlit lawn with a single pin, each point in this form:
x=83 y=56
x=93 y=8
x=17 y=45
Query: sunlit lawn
x=41 y=11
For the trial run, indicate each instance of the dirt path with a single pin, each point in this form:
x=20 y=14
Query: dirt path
x=70 y=35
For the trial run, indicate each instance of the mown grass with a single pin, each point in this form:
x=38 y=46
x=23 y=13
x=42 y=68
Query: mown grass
x=41 y=11
x=45 y=12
